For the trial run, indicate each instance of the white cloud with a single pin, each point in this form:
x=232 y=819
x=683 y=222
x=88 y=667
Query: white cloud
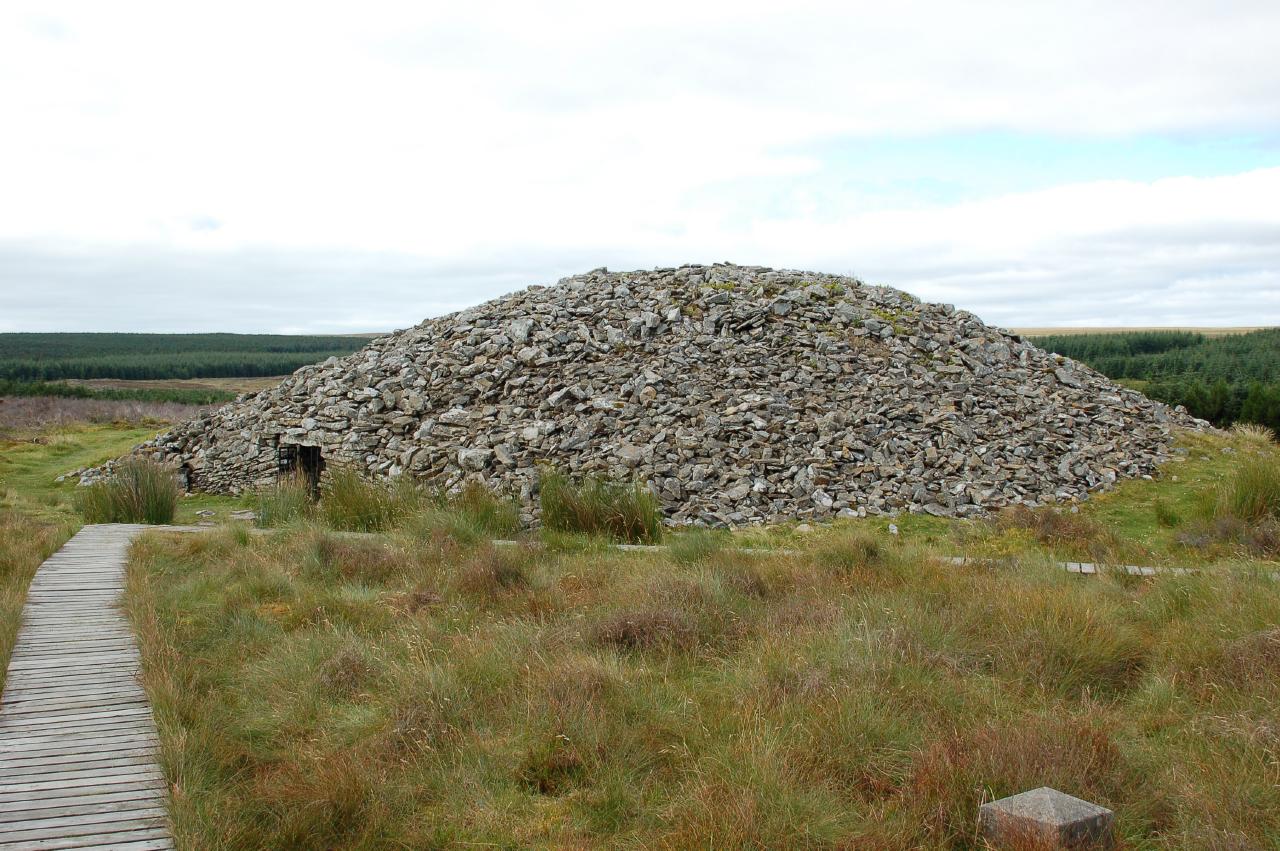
x=517 y=140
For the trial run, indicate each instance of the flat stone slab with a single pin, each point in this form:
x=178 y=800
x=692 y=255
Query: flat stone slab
x=1045 y=818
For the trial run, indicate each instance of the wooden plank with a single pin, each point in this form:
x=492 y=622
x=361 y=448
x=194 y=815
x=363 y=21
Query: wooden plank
x=105 y=809
x=132 y=795
x=50 y=829
x=84 y=759
x=78 y=749
x=33 y=776
x=119 y=841
x=70 y=739
x=25 y=796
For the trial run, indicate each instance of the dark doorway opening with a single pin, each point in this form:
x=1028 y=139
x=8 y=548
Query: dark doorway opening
x=311 y=462
x=306 y=460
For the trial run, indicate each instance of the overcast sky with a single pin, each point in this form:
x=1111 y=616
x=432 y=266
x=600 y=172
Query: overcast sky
x=341 y=167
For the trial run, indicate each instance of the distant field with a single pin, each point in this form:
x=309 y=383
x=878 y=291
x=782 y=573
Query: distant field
x=1207 y=332
x=57 y=357
x=237 y=384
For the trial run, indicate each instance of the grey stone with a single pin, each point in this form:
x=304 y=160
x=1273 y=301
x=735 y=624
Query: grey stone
x=1067 y=378
x=520 y=330
x=1045 y=818
x=474 y=459
x=630 y=455
x=455 y=416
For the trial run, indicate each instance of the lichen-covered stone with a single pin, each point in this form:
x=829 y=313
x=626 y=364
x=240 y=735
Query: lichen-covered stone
x=741 y=394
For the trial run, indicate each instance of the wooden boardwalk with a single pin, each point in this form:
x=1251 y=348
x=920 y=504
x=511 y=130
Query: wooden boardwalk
x=77 y=741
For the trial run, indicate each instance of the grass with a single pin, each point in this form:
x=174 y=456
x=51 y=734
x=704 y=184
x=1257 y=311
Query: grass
x=627 y=512
x=420 y=690
x=352 y=502
x=137 y=491
x=1251 y=492
x=32 y=460
x=286 y=501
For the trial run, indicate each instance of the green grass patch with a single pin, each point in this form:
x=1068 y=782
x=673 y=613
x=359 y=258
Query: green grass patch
x=1251 y=492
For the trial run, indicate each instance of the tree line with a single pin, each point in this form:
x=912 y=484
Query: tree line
x=56 y=357
x=1227 y=379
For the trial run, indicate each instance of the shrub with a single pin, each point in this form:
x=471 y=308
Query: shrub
x=949 y=778
x=1253 y=658
x=1261 y=539
x=287 y=500
x=625 y=512
x=138 y=491
x=330 y=559
x=1068 y=530
x=852 y=551
x=552 y=766
x=1254 y=433
x=1050 y=526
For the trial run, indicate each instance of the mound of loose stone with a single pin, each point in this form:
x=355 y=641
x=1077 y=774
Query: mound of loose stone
x=741 y=394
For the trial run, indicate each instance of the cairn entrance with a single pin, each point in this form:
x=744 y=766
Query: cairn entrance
x=304 y=460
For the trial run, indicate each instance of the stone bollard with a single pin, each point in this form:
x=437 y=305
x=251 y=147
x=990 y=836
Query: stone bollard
x=1046 y=819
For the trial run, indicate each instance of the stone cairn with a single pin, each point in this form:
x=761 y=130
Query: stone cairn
x=740 y=394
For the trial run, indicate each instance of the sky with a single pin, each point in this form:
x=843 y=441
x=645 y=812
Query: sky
x=341 y=167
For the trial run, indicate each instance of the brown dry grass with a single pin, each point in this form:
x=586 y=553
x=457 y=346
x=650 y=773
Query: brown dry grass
x=321 y=692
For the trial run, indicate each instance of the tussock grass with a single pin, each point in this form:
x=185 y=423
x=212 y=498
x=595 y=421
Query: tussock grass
x=1251 y=492
x=286 y=501
x=422 y=690
x=138 y=491
x=1241 y=512
x=353 y=502
x=482 y=509
x=595 y=506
